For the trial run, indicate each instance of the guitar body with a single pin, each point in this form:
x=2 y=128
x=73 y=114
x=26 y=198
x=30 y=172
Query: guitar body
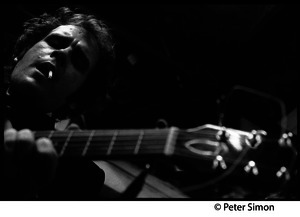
x=119 y=175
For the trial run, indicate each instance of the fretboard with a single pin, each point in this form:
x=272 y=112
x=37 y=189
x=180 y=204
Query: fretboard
x=101 y=144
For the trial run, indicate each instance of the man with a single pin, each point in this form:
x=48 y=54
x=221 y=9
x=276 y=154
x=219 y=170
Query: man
x=60 y=65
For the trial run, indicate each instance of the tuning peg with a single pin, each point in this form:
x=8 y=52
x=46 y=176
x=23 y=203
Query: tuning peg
x=255 y=138
x=286 y=140
x=219 y=163
x=283 y=173
x=222 y=135
x=251 y=168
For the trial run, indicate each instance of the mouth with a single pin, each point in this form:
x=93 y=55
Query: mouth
x=47 y=69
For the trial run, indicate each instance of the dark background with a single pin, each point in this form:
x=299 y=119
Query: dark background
x=182 y=63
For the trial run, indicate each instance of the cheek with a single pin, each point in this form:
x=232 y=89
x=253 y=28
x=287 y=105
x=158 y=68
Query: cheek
x=22 y=64
x=38 y=51
x=70 y=83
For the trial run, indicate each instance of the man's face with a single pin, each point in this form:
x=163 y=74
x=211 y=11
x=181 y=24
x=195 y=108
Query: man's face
x=54 y=68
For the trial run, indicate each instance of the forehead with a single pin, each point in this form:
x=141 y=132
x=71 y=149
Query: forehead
x=87 y=41
x=71 y=31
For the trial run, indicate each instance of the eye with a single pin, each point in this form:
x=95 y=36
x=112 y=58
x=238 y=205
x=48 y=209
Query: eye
x=58 y=41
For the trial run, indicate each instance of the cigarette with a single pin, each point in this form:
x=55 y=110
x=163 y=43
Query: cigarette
x=50 y=74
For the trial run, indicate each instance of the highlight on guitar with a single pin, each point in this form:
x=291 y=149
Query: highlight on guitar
x=128 y=102
x=249 y=160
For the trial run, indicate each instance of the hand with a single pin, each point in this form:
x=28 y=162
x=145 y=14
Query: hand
x=27 y=165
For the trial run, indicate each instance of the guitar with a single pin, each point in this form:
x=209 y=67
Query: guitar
x=215 y=151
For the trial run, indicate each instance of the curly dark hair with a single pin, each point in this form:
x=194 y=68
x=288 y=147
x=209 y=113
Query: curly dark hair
x=36 y=29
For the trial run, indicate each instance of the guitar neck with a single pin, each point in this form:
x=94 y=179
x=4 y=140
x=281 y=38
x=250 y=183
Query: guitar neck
x=102 y=144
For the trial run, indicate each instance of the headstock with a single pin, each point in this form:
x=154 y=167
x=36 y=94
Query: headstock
x=250 y=157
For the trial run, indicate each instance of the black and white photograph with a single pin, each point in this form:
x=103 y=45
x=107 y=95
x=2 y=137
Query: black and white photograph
x=150 y=102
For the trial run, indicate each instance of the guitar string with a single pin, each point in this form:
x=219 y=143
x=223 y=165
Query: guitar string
x=121 y=138
x=80 y=138
x=77 y=145
x=126 y=138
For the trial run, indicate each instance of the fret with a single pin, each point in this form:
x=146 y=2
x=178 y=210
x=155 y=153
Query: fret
x=88 y=143
x=112 y=143
x=99 y=143
x=153 y=142
x=58 y=139
x=107 y=144
x=50 y=134
x=170 y=144
x=66 y=143
x=77 y=143
x=126 y=142
x=138 y=144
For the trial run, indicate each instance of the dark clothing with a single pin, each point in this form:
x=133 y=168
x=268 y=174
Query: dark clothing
x=76 y=179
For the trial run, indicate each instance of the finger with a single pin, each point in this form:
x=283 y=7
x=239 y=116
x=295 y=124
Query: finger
x=20 y=145
x=7 y=125
x=45 y=146
x=46 y=161
x=25 y=142
x=10 y=136
x=9 y=165
x=25 y=135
